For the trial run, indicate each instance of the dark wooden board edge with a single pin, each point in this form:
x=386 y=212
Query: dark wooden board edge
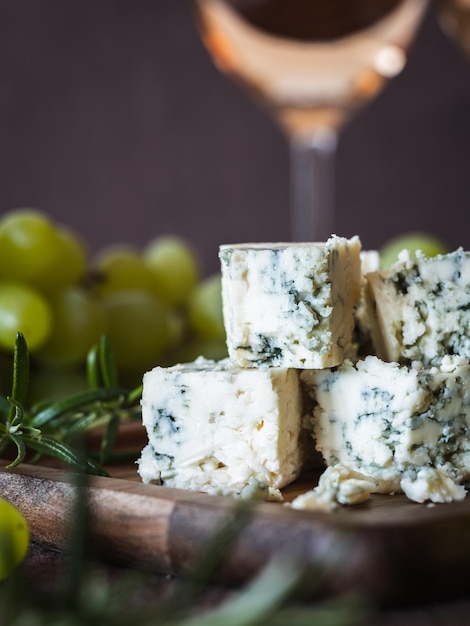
x=387 y=552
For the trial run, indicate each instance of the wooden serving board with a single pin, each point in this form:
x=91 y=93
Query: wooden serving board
x=392 y=549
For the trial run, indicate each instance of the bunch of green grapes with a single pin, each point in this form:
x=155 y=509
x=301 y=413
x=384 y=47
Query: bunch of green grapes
x=152 y=303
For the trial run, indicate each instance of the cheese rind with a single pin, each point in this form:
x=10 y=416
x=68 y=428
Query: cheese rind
x=389 y=421
x=420 y=308
x=290 y=305
x=222 y=430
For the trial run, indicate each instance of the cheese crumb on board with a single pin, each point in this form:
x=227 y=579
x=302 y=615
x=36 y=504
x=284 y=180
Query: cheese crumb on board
x=290 y=305
x=430 y=484
x=338 y=485
x=221 y=429
x=391 y=422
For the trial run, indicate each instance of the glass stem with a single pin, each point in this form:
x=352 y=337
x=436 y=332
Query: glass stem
x=313 y=197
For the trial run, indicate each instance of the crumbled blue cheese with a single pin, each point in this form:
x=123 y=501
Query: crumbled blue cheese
x=338 y=485
x=220 y=429
x=390 y=422
x=432 y=484
x=290 y=305
x=420 y=308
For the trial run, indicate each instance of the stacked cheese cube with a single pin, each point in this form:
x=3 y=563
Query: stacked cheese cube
x=396 y=420
x=290 y=305
x=235 y=427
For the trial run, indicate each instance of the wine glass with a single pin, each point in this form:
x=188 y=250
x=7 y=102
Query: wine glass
x=454 y=17
x=311 y=64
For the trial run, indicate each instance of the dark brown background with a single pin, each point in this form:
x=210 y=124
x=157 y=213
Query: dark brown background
x=113 y=119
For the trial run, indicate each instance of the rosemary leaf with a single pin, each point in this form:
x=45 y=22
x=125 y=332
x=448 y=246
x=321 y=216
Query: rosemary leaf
x=20 y=370
x=20 y=373
x=65 y=453
x=109 y=437
x=257 y=600
x=134 y=396
x=29 y=431
x=21 y=451
x=92 y=467
x=74 y=574
x=17 y=416
x=76 y=401
x=203 y=571
x=107 y=363
x=213 y=551
x=92 y=368
x=82 y=424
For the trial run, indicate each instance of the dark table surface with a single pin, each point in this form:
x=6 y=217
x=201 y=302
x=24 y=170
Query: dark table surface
x=45 y=565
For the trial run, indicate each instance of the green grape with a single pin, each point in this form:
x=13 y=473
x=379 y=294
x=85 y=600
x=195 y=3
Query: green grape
x=121 y=267
x=175 y=267
x=430 y=245
x=29 y=246
x=204 y=308
x=79 y=322
x=70 y=265
x=23 y=309
x=14 y=538
x=140 y=329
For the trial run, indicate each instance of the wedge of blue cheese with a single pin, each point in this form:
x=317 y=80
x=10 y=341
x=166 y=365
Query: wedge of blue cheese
x=221 y=429
x=290 y=305
x=420 y=308
x=406 y=427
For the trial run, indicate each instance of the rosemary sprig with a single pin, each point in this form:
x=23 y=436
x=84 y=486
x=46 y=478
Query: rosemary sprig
x=53 y=428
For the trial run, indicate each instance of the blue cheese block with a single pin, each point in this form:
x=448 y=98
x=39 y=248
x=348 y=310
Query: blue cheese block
x=407 y=428
x=221 y=430
x=290 y=305
x=420 y=308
